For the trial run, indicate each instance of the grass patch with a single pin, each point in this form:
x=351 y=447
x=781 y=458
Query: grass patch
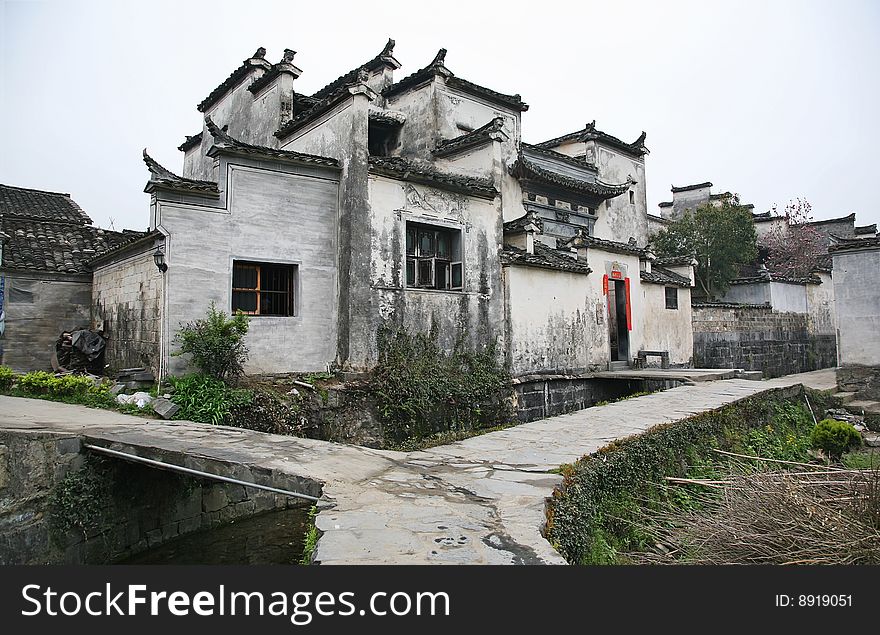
x=311 y=538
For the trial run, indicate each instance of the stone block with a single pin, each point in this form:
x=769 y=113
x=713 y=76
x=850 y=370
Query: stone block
x=214 y=499
x=165 y=408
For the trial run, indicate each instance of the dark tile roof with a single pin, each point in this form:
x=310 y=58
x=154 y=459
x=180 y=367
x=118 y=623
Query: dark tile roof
x=528 y=170
x=190 y=142
x=223 y=142
x=21 y=202
x=164 y=179
x=659 y=275
x=385 y=57
x=687 y=188
x=437 y=67
x=55 y=247
x=257 y=60
x=775 y=278
x=761 y=217
x=590 y=133
x=730 y=305
x=865 y=229
x=674 y=261
x=519 y=224
x=284 y=66
x=543 y=258
x=400 y=168
x=855 y=244
x=613 y=246
x=513 y=101
x=320 y=106
x=122 y=247
x=473 y=139
x=842 y=219
x=579 y=162
x=665 y=204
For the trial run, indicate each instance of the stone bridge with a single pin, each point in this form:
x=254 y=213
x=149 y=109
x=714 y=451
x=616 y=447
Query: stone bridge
x=478 y=501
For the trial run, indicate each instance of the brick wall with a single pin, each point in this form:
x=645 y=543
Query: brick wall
x=758 y=338
x=127 y=299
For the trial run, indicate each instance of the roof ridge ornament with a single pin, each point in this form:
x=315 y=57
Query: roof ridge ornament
x=388 y=51
x=288 y=56
x=440 y=58
x=259 y=54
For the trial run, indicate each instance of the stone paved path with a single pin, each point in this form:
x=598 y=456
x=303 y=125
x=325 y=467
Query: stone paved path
x=478 y=501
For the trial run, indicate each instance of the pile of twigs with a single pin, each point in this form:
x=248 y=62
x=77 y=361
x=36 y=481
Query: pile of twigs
x=803 y=514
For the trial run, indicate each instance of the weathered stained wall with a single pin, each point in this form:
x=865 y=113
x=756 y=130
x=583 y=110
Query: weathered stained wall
x=758 y=338
x=474 y=313
x=39 y=306
x=342 y=134
x=127 y=296
x=668 y=329
x=857 y=299
x=268 y=212
x=820 y=305
x=621 y=219
x=554 y=323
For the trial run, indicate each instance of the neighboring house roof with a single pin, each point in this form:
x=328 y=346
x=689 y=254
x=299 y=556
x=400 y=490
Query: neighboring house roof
x=659 y=275
x=224 y=142
x=855 y=244
x=404 y=169
x=665 y=204
x=687 y=188
x=437 y=67
x=591 y=133
x=528 y=170
x=849 y=217
x=674 y=261
x=385 y=57
x=482 y=135
x=134 y=240
x=543 y=258
x=859 y=230
x=56 y=247
x=776 y=278
x=257 y=60
x=164 y=179
x=21 y=202
x=191 y=141
x=762 y=217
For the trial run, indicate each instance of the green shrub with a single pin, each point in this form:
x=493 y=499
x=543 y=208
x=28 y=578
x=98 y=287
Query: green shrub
x=593 y=515
x=206 y=399
x=834 y=437
x=216 y=343
x=422 y=390
x=6 y=377
x=79 y=389
x=310 y=541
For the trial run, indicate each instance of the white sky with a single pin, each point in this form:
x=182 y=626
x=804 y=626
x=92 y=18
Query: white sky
x=772 y=99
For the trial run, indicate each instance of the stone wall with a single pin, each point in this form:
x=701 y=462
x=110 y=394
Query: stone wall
x=537 y=397
x=39 y=305
x=137 y=507
x=127 y=296
x=758 y=338
x=862 y=380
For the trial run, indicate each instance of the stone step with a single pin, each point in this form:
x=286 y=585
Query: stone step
x=867 y=407
x=845 y=397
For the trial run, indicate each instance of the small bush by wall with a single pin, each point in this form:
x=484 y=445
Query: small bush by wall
x=422 y=389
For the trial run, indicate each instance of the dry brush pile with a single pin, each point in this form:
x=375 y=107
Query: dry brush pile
x=805 y=514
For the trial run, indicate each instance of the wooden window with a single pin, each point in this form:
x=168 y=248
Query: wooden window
x=433 y=257
x=262 y=288
x=671 y=297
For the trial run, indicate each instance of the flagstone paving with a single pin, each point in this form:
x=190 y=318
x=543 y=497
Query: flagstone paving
x=478 y=501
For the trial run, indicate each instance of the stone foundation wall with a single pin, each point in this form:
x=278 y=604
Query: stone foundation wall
x=538 y=397
x=758 y=338
x=137 y=507
x=862 y=380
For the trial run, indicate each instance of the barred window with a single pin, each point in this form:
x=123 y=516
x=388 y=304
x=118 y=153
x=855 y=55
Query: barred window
x=261 y=288
x=671 y=297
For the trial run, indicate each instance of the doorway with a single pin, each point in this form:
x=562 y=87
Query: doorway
x=618 y=330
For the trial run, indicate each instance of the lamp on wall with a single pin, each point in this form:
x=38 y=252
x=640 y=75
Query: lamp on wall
x=159 y=259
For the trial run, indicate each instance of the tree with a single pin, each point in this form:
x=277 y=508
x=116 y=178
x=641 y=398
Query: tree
x=794 y=247
x=721 y=238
